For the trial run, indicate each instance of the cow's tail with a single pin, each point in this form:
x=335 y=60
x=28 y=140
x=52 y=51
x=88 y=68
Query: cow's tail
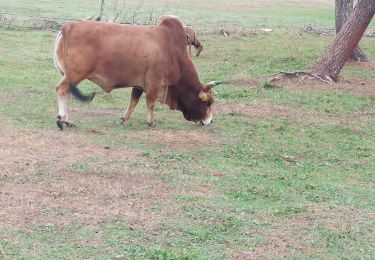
x=72 y=87
x=57 y=63
x=79 y=95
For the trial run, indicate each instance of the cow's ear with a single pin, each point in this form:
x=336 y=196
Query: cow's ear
x=204 y=96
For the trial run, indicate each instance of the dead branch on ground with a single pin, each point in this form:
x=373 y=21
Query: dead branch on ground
x=313 y=29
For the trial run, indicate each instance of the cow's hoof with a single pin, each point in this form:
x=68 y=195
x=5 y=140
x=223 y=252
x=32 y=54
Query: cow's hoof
x=123 y=120
x=60 y=124
x=153 y=124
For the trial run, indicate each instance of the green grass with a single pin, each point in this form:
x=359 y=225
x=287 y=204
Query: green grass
x=204 y=14
x=227 y=192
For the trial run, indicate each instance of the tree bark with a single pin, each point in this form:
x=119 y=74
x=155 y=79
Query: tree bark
x=330 y=63
x=343 y=9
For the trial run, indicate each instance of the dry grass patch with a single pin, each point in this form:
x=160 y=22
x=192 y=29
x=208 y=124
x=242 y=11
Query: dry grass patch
x=9 y=96
x=340 y=217
x=283 y=235
x=259 y=110
x=59 y=177
x=362 y=65
x=297 y=233
x=355 y=86
x=365 y=87
x=268 y=111
x=171 y=139
x=95 y=112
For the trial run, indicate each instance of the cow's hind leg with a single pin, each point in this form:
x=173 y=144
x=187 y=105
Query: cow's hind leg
x=150 y=101
x=136 y=94
x=62 y=90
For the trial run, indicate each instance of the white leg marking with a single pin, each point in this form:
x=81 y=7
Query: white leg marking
x=150 y=116
x=63 y=107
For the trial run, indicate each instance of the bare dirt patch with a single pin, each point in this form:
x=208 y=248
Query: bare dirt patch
x=364 y=87
x=267 y=111
x=339 y=217
x=170 y=139
x=368 y=113
x=9 y=96
x=259 y=110
x=245 y=81
x=283 y=235
x=356 y=86
x=362 y=65
x=93 y=113
x=58 y=177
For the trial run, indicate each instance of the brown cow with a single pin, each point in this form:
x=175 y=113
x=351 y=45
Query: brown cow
x=151 y=59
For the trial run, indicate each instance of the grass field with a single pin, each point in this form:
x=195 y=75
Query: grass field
x=285 y=171
x=204 y=15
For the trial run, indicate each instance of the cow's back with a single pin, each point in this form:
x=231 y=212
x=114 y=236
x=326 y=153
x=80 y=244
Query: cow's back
x=122 y=55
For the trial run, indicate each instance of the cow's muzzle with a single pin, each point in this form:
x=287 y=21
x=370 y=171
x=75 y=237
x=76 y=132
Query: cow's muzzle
x=207 y=121
x=202 y=123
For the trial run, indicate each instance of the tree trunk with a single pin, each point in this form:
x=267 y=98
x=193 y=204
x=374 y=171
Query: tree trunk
x=101 y=10
x=343 y=9
x=330 y=63
x=359 y=55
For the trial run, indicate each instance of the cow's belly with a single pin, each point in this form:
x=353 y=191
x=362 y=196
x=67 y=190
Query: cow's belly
x=119 y=69
x=108 y=82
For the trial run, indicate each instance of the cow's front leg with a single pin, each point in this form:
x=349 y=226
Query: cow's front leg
x=150 y=111
x=135 y=95
x=62 y=91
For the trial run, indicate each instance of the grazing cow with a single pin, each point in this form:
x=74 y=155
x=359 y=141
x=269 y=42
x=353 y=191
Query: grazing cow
x=151 y=59
x=191 y=38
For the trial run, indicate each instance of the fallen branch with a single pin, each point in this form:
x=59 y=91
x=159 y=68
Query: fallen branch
x=310 y=29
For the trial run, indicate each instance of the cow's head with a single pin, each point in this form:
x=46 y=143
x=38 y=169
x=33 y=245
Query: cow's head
x=198 y=50
x=198 y=108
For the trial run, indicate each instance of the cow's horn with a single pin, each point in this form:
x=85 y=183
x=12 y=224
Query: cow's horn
x=90 y=17
x=212 y=84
